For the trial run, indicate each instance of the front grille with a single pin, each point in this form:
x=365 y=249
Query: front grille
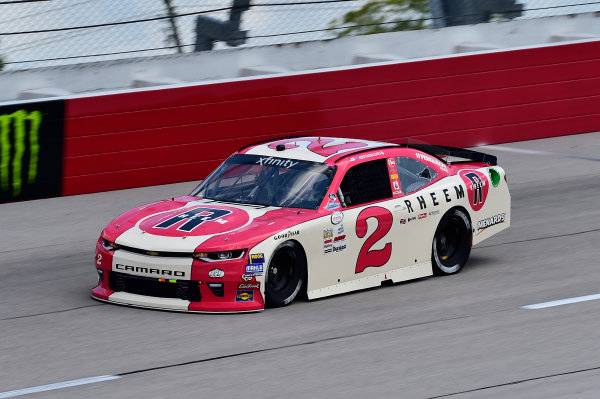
x=156 y=253
x=183 y=289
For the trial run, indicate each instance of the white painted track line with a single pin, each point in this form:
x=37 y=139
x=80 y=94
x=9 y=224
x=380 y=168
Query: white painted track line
x=57 y=385
x=562 y=302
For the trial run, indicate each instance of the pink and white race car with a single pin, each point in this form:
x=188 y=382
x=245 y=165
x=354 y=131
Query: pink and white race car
x=309 y=216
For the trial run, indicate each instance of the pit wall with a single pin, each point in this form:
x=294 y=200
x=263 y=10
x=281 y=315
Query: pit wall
x=148 y=137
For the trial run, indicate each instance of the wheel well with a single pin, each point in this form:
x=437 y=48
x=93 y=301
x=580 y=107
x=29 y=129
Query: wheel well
x=303 y=290
x=462 y=208
x=300 y=247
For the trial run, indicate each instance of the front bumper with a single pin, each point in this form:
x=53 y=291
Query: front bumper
x=195 y=292
x=174 y=304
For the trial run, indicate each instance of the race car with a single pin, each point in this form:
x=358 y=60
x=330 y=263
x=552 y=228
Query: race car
x=304 y=216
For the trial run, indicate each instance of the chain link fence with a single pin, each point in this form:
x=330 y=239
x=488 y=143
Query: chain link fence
x=36 y=33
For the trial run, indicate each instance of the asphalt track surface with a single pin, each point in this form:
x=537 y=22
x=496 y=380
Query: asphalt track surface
x=464 y=336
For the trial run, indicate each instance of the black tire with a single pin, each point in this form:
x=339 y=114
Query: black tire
x=452 y=243
x=285 y=275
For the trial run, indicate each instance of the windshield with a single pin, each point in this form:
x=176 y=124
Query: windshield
x=269 y=181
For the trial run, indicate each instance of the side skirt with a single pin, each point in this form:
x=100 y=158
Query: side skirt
x=411 y=272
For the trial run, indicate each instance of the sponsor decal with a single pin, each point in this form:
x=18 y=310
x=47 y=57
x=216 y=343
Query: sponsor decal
x=194 y=218
x=422 y=200
x=254 y=286
x=248 y=277
x=254 y=269
x=394 y=178
x=333 y=202
x=339 y=238
x=26 y=134
x=491 y=221
x=244 y=296
x=371 y=155
x=422 y=215
x=31 y=143
x=216 y=273
x=334 y=239
x=337 y=217
x=149 y=270
x=410 y=219
x=257 y=258
x=284 y=163
x=327 y=241
x=432 y=213
x=256 y=264
x=432 y=160
x=477 y=187
x=402 y=221
x=287 y=234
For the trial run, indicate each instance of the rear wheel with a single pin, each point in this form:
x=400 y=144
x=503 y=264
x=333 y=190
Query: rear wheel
x=451 y=243
x=285 y=275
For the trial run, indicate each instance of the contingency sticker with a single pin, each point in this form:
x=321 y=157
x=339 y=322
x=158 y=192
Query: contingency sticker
x=244 y=296
x=327 y=240
x=394 y=178
x=339 y=238
x=256 y=263
x=334 y=239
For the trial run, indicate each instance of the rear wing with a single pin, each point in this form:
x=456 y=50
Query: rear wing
x=453 y=155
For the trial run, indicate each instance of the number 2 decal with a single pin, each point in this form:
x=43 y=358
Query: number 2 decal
x=99 y=259
x=368 y=257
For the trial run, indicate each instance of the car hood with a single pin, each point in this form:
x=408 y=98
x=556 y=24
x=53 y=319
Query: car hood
x=185 y=223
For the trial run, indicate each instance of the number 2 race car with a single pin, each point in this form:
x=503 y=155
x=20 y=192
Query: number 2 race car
x=307 y=215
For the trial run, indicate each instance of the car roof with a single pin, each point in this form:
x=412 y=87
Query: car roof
x=311 y=148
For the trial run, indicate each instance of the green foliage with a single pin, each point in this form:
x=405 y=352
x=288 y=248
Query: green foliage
x=380 y=16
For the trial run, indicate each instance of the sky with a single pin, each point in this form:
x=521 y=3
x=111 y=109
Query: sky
x=271 y=24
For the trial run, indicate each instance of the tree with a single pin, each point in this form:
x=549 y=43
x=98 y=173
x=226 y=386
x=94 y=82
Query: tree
x=379 y=16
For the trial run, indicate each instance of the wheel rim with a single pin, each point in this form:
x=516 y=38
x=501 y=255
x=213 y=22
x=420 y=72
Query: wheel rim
x=448 y=241
x=281 y=270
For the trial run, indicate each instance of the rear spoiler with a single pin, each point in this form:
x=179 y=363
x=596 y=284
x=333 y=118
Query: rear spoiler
x=444 y=153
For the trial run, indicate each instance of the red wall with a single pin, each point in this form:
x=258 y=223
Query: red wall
x=164 y=136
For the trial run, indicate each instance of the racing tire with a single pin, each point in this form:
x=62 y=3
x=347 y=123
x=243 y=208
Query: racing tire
x=285 y=275
x=451 y=243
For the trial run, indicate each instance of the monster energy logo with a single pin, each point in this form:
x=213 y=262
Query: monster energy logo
x=25 y=127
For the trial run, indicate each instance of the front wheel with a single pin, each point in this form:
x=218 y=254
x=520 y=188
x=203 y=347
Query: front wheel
x=285 y=274
x=451 y=243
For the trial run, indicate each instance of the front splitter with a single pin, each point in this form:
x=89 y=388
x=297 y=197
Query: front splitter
x=173 y=304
